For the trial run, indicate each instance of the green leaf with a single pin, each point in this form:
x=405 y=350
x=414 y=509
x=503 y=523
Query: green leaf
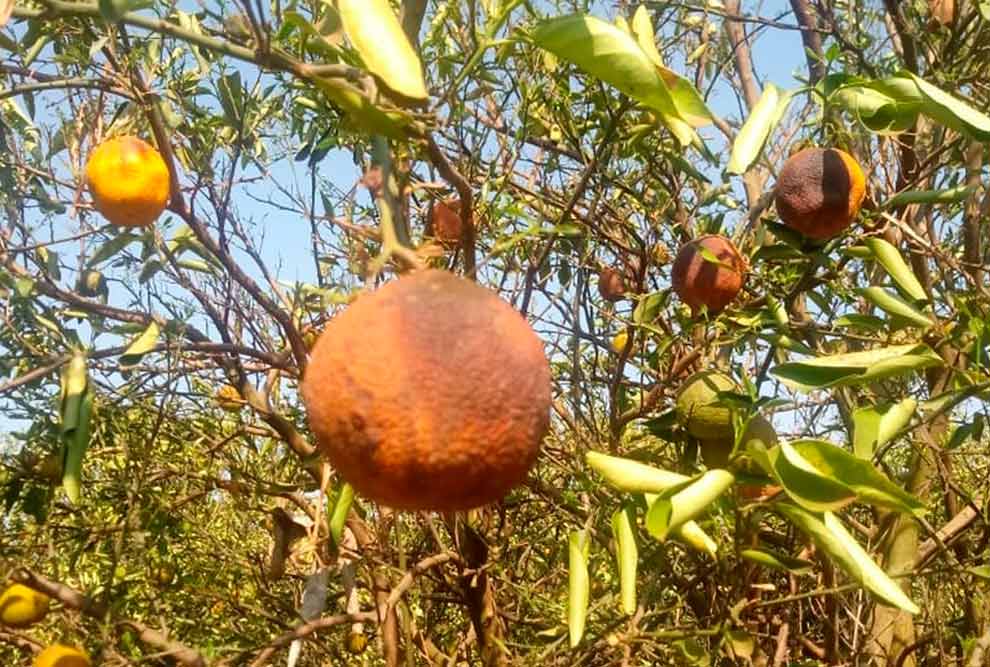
x=870 y=485
x=608 y=53
x=627 y=553
x=375 y=32
x=140 y=346
x=633 y=476
x=681 y=504
x=895 y=305
x=113 y=10
x=805 y=484
x=896 y=268
x=111 y=247
x=832 y=537
x=947 y=196
x=341 y=509
x=866 y=322
x=753 y=135
x=875 y=426
x=693 y=653
x=648 y=307
x=856 y=367
x=76 y=401
x=365 y=115
x=687 y=100
x=642 y=29
x=776 y=561
x=578 y=588
x=952 y=111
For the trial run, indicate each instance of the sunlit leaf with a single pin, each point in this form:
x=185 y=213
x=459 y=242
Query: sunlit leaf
x=627 y=553
x=754 y=133
x=377 y=35
x=874 y=426
x=777 y=561
x=832 y=537
x=141 y=345
x=579 y=586
x=896 y=268
x=672 y=510
x=894 y=305
x=855 y=367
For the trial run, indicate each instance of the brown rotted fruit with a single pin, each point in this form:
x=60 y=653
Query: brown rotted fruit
x=430 y=393
x=708 y=272
x=611 y=284
x=819 y=192
x=446 y=222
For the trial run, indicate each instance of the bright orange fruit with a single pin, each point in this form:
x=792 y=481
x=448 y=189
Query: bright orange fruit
x=128 y=180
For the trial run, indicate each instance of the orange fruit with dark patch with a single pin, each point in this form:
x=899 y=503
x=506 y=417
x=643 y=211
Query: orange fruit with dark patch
x=129 y=181
x=59 y=655
x=708 y=272
x=446 y=221
x=430 y=393
x=819 y=192
x=611 y=284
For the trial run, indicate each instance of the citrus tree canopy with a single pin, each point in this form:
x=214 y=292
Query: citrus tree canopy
x=494 y=332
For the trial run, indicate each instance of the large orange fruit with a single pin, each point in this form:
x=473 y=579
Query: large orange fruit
x=611 y=284
x=430 y=393
x=128 y=180
x=819 y=192
x=708 y=272
x=446 y=219
x=59 y=655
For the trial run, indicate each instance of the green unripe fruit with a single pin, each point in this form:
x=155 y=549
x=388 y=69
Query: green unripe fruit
x=715 y=452
x=699 y=410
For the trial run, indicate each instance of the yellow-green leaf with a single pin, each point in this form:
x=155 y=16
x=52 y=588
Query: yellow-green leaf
x=377 y=35
x=892 y=262
x=579 y=586
x=141 y=345
x=627 y=555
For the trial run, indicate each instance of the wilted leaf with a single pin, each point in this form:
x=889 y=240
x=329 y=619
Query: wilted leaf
x=895 y=305
x=875 y=426
x=777 y=561
x=633 y=476
x=896 y=268
x=642 y=29
x=855 y=367
x=832 y=537
x=341 y=509
x=805 y=484
x=952 y=111
x=374 y=30
x=608 y=53
x=869 y=484
x=141 y=345
x=753 y=135
x=579 y=587
x=627 y=553
x=948 y=196
x=671 y=510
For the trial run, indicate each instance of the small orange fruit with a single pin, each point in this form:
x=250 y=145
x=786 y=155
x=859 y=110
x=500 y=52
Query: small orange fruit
x=708 y=272
x=129 y=181
x=21 y=606
x=446 y=221
x=819 y=192
x=611 y=284
x=430 y=393
x=59 y=655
